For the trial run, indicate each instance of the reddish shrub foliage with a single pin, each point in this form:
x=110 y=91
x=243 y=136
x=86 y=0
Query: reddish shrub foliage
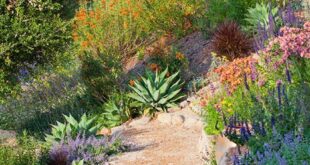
x=229 y=41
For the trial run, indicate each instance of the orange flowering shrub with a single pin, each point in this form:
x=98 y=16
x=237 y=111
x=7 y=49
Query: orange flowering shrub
x=121 y=26
x=234 y=73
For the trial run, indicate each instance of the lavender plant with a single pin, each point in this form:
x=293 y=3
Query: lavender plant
x=91 y=150
x=281 y=149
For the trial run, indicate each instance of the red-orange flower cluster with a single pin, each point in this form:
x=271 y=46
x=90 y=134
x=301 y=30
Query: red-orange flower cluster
x=233 y=73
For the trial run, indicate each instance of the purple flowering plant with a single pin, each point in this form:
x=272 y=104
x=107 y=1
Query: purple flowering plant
x=92 y=150
x=284 y=149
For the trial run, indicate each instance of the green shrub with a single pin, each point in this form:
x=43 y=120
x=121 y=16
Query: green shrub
x=32 y=36
x=233 y=10
x=99 y=74
x=214 y=122
x=157 y=92
x=72 y=128
x=28 y=151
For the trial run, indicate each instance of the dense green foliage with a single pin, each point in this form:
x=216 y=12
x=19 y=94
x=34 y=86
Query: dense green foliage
x=28 y=151
x=32 y=36
x=233 y=10
x=259 y=17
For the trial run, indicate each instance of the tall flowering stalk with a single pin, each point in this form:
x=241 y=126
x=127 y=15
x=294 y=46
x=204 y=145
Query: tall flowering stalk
x=279 y=83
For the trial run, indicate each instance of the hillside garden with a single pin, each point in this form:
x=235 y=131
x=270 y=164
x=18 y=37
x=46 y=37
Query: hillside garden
x=72 y=72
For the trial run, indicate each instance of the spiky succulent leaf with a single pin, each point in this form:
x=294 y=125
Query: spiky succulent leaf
x=156 y=91
x=72 y=128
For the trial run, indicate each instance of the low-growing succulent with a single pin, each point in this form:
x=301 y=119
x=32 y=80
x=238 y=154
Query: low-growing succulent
x=72 y=128
x=58 y=133
x=114 y=114
x=157 y=91
x=117 y=110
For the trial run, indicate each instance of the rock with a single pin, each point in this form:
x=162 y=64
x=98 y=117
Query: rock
x=223 y=145
x=191 y=99
x=105 y=132
x=197 y=109
x=140 y=122
x=184 y=104
x=177 y=119
x=206 y=145
x=164 y=118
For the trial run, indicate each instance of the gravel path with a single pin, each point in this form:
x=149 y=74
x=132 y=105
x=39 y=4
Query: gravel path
x=164 y=141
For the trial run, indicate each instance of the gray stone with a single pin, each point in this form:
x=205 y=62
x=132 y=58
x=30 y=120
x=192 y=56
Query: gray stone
x=197 y=109
x=206 y=145
x=184 y=104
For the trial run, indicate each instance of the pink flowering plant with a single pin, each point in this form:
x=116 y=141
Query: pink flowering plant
x=288 y=54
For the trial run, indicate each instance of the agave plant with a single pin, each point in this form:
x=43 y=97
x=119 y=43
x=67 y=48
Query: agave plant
x=72 y=128
x=157 y=92
x=58 y=133
x=118 y=109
